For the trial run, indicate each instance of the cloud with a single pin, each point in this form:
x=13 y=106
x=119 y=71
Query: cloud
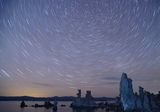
x=43 y=84
x=112 y=78
x=147 y=80
x=112 y=83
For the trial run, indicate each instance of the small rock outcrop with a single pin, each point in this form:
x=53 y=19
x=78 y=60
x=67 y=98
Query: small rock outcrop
x=130 y=101
x=22 y=105
x=86 y=102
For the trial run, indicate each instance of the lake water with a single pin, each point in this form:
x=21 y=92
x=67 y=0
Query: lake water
x=13 y=106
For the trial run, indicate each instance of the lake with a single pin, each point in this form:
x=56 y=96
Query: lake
x=13 y=106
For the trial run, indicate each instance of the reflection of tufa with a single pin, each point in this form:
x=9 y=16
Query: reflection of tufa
x=86 y=102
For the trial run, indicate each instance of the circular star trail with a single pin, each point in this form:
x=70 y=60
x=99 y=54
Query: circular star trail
x=52 y=47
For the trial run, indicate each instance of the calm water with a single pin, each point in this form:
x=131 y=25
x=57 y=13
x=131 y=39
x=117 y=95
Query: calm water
x=13 y=106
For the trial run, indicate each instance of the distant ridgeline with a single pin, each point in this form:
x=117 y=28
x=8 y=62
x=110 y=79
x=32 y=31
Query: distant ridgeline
x=63 y=98
x=142 y=102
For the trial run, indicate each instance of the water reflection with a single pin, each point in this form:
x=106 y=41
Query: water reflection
x=22 y=110
x=83 y=110
x=93 y=110
x=14 y=106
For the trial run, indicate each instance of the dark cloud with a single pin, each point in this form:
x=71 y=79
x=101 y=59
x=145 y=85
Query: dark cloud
x=112 y=83
x=111 y=78
x=43 y=84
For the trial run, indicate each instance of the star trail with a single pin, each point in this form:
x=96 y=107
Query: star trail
x=54 y=47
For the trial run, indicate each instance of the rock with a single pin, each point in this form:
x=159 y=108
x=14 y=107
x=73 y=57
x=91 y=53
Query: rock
x=144 y=102
x=86 y=102
x=126 y=93
x=153 y=103
x=141 y=96
x=147 y=103
x=138 y=104
x=22 y=105
x=63 y=105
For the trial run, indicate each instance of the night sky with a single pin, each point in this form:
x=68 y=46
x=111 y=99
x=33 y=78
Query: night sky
x=54 y=47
